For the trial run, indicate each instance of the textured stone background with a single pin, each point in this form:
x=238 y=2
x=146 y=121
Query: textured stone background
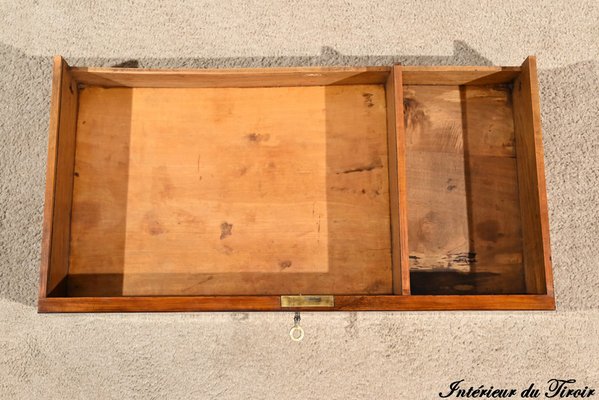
x=344 y=355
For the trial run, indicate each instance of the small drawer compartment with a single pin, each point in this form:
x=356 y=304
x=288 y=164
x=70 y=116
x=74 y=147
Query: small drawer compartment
x=475 y=191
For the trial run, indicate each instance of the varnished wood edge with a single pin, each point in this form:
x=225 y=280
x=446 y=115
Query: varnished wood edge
x=236 y=77
x=530 y=67
x=393 y=175
x=458 y=75
x=272 y=303
x=77 y=71
x=48 y=215
x=397 y=181
x=304 y=76
x=460 y=68
x=402 y=180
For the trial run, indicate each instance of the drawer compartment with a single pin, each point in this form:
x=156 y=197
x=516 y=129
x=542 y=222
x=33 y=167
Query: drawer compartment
x=386 y=188
x=212 y=191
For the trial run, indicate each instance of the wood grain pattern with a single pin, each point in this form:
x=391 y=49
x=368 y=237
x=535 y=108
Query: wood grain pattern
x=397 y=182
x=531 y=180
x=461 y=181
x=246 y=77
x=59 y=179
x=231 y=191
x=458 y=75
x=272 y=303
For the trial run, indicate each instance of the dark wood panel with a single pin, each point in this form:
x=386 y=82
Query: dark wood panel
x=463 y=207
x=160 y=304
x=272 y=303
x=435 y=303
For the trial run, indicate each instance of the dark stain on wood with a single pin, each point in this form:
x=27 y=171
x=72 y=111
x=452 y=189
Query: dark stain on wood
x=155 y=228
x=225 y=230
x=338 y=189
x=450 y=186
x=152 y=224
x=413 y=113
x=462 y=258
x=489 y=230
x=187 y=289
x=285 y=264
x=258 y=137
x=343 y=189
x=364 y=168
x=443 y=262
x=368 y=99
x=449 y=282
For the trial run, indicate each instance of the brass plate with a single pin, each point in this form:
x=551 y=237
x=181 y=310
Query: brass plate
x=307 y=301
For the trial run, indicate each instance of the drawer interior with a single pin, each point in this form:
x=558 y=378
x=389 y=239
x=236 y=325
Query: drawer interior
x=216 y=191
x=380 y=188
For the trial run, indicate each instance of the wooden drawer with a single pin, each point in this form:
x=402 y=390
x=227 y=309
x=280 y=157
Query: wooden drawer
x=375 y=188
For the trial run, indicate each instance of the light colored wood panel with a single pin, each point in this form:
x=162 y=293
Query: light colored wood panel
x=59 y=178
x=268 y=187
x=246 y=77
x=397 y=182
x=464 y=213
x=456 y=75
x=531 y=179
x=273 y=303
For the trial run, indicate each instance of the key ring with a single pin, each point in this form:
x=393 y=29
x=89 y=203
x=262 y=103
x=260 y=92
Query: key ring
x=297 y=332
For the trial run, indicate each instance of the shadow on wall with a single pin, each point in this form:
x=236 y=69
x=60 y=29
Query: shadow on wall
x=462 y=55
x=569 y=104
